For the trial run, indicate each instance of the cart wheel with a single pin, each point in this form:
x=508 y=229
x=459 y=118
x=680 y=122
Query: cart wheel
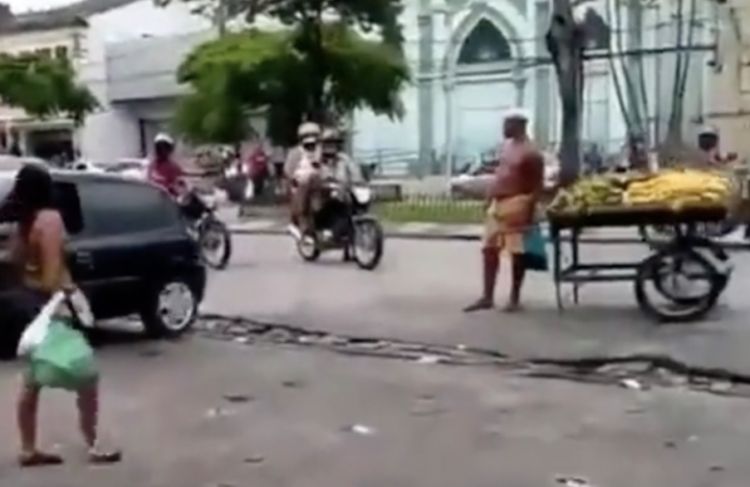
x=677 y=285
x=717 y=257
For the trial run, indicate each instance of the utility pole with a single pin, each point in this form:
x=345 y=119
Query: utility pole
x=220 y=17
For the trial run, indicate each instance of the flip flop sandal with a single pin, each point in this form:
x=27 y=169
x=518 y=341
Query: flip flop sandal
x=104 y=458
x=39 y=459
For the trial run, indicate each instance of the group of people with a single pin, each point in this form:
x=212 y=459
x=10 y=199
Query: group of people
x=318 y=157
x=38 y=245
x=38 y=249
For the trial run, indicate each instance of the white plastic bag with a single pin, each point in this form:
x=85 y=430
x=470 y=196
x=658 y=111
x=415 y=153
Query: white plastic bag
x=35 y=333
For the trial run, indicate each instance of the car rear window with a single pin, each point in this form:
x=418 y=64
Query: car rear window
x=114 y=208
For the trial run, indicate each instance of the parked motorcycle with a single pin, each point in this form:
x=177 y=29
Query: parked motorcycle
x=212 y=235
x=343 y=222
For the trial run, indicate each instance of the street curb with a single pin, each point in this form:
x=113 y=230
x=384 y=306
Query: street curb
x=388 y=234
x=474 y=237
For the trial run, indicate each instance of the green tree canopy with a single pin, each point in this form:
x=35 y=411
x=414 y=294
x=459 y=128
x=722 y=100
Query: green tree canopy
x=255 y=69
x=43 y=87
x=367 y=15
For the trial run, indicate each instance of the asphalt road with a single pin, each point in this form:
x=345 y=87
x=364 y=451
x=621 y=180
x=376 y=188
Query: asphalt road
x=311 y=418
x=421 y=286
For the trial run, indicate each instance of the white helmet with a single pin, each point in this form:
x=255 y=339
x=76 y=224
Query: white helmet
x=308 y=129
x=332 y=135
x=163 y=138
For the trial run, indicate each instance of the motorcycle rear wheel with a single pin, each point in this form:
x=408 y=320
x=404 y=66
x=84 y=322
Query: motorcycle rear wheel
x=214 y=232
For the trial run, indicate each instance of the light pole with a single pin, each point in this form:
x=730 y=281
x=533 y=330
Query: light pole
x=448 y=84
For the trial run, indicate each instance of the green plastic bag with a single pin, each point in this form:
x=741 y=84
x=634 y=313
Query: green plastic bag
x=64 y=359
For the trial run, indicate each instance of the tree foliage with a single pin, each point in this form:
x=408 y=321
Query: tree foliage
x=255 y=69
x=333 y=56
x=367 y=15
x=43 y=87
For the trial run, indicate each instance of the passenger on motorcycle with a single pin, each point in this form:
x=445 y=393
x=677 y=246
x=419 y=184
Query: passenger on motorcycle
x=337 y=165
x=302 y=170
x=163 y=170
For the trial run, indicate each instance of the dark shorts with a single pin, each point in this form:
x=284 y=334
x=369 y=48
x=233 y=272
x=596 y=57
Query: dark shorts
x=18 y=307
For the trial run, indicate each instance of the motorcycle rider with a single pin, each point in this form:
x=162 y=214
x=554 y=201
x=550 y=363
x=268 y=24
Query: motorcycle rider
x=302 y=170
x=163 y=170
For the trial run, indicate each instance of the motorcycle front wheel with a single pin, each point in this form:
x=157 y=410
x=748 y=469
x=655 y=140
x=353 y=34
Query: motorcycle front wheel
x=368 y=245
x=216 y=244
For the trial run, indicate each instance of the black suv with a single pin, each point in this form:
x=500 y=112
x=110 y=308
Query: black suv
x=128 y=249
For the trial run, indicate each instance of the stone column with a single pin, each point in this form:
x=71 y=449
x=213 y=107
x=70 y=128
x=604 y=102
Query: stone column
x=425 y=80
x=545 y=89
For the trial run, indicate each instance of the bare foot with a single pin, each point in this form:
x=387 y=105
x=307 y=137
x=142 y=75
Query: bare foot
x=481 y=304
x=39 y=459
x=512 y=308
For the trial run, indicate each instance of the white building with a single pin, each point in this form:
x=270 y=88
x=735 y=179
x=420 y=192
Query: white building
x=473 y=59
x=84 y=31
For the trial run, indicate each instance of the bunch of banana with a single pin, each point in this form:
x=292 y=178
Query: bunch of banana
x=680 y=188
x=587 y=193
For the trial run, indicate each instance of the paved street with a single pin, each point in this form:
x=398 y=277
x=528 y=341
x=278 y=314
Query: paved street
x=421 y=287
x=313 y=418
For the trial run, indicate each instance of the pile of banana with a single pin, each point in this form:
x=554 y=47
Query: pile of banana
x=674 y=188
x=679 y=189
x=590 y=192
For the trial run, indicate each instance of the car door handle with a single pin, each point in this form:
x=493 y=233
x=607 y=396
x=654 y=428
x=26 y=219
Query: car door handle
x=84 y=259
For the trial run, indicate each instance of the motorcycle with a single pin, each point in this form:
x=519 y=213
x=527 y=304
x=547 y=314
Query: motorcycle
x=212 y=235
x=343 y=222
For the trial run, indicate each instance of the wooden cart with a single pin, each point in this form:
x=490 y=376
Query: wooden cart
x=687 y=253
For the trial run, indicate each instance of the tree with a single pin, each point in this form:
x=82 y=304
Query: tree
x=565 y=41
x=43 y=87
x=332 y=57
x=253 y=70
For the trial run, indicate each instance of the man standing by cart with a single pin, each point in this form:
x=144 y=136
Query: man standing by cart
x=512 y=198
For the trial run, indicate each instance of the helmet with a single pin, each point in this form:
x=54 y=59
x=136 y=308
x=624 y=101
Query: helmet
x=163 y=138
x=308 y=129
x=332 y=135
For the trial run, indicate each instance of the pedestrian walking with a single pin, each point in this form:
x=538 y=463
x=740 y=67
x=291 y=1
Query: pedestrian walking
x=511 y=204
x=258 y=169
x=37 y=251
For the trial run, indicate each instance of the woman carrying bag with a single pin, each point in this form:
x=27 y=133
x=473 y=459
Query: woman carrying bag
x=37 y=250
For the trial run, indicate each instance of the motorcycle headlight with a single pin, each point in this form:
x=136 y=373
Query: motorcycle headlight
x=362 y=195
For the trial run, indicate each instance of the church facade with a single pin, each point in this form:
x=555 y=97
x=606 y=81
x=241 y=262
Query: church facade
x=473 y=60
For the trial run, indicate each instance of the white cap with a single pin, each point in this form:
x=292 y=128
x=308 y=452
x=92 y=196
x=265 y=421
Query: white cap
x=310 y=139
x=708 y=130
x=163 y=138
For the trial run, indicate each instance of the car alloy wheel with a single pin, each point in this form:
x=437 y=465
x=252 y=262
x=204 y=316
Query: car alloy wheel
x=176 y=307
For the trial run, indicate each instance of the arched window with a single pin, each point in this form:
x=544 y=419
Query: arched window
x=598 y=33
x=484 y=44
